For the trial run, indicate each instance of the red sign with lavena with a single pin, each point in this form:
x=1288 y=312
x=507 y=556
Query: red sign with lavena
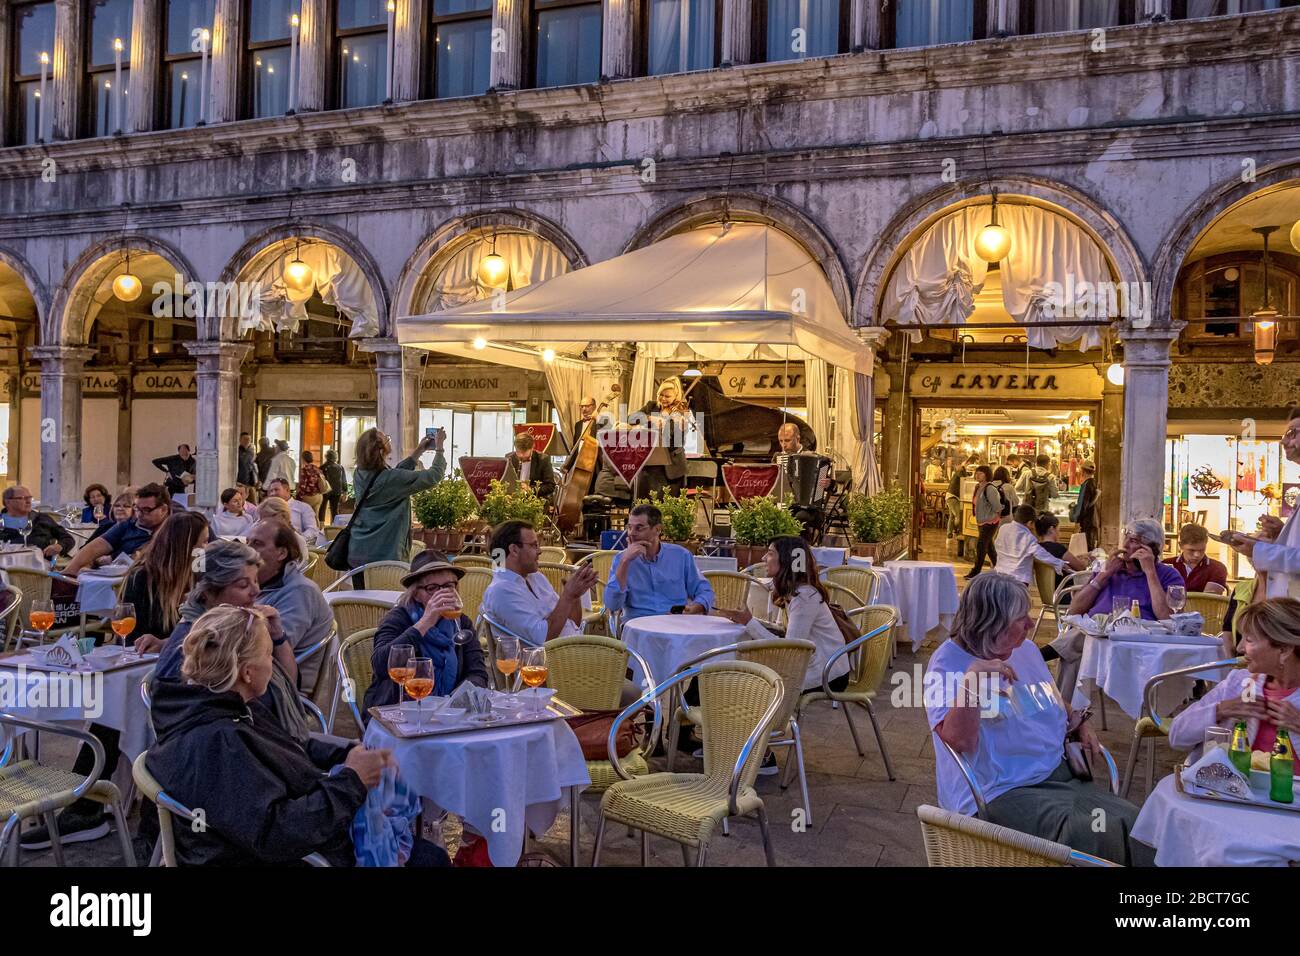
x=479 y=473
x=750 y=481
x=542 y=433
x=627 y=449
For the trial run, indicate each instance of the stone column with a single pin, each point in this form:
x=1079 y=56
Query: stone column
x=66 y=71
x=737 y=19
x=315 y=41
x=60 y=424
x=227 y=51
x=1146 y=413
x=1110 y=436
x=618 y=31
x=146 y=69
x=507 y=64
x=217 y=418
x=873 y=338
x=409 y=30
x=397 y=380
x=611 y=375
x=1154 y=10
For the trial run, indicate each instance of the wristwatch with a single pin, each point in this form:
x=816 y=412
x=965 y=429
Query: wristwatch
x=278 y=641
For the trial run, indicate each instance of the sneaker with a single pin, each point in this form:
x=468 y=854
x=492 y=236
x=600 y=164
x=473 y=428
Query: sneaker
x=769 y=766
x=72 y=829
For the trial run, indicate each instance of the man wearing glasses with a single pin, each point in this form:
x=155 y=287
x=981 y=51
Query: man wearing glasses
x=152 y=506
x=22 y=525
x=1278 y=559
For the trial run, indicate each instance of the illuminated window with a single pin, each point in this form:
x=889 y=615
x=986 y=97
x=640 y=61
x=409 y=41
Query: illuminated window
x=566 y=42
x=462 y=45
x=188 y=21
x=362 y=61
x=108 y=28
x=267 y=64
x=33 y=29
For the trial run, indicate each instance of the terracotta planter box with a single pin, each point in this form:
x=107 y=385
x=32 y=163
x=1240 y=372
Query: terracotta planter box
x=439 y=539
x=747 y=554
x=693 y=546
x=880 y=551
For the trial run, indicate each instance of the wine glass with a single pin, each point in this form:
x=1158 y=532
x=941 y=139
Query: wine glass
x=532 y=671
x=420 y=685
x=1176 y=595
x=123 y=622
x=453 y=613
x=98 y=513
x=41 y=616
x=507 y=662
x=399 y=672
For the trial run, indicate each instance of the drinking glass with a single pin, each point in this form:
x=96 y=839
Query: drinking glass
x=98 y=513
x=420 y=685
x=454 y=613
x=532 y=671
x=1176 y=595
x=399 y=672
x=1216 y=737
x=123 y=622
x=41 y=616
x=1119 y=606
x=507 y=662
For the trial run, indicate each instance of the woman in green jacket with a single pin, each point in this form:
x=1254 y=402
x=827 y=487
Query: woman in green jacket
x=382 y=528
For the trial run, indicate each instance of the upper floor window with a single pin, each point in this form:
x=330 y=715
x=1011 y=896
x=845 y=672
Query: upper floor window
x=108 y=47
x=32 y=57
x=1184 y=9
x=566 y=42
x=270 y=29
x=1059 y=16
x=930 y=22
x=362 y=46
x=682 y=35
x=794 y=29
x=188 y=30
x=462 y=47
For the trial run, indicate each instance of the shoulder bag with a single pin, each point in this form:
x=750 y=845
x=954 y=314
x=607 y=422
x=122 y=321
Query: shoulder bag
x=337 y=555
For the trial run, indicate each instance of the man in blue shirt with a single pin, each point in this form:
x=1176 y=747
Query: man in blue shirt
x=152 y=508
x=652 y=576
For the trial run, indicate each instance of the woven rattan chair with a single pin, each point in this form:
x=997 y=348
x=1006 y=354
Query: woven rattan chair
x=868 y=660
x=756 y=570
x=1150 y=726
x=325 y=647
x=377 y=575
x=842 y=596
x=35 y=586
x=861 y=581
x=730 y=588
x=352 y=662
x=1055 y=597
x=472 y=587
x=981 y=807
x=553 y=554
x=332 y=531
x=10 y=621
x=556 y=574
x=739 y=701
x=472 y=561
x=601 y=562
x=955 y=840
x=29 y=789
x=588 y=671
x=320 y=573
x=1213 y=608
x=350 y=615
x=789 y=658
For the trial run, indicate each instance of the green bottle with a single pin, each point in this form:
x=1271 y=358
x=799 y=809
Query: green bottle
x=1281 y=766
x=1239 y=752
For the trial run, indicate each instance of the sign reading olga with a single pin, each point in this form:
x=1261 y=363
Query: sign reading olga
x=1007 y=382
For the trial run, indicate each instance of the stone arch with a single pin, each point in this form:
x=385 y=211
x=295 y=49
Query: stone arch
x=1201 y=215
x=448 y=239
x=911 y=222
x=753 y=207
x=258 y=251
x=83 y=279
x=35 y=287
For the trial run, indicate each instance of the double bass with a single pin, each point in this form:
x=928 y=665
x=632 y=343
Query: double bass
x=568 y=502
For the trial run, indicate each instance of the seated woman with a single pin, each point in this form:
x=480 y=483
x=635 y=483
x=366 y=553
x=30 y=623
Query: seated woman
x=96 y=499
x=418 y=620
x=1047 y=529
x=233 y=518
x=121 y=511
x=277 y=509
x=1270 y=640
x=1015 y=751
x=267 y=798
x=161 y=577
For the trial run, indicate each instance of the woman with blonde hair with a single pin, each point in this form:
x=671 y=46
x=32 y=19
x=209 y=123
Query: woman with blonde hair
x=1265 y=693
x=277 y=509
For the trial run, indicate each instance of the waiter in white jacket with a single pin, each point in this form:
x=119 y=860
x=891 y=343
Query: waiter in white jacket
x=1278 y=560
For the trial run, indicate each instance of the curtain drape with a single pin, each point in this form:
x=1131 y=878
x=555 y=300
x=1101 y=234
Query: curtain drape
x=568 y=382
x=820 y=20
x=936 y=282
x=855 y=408
x=818 y=401
x=1058 y=16
x=643 y=377
x=927 y=22
x=532 y=259
x=338 y=279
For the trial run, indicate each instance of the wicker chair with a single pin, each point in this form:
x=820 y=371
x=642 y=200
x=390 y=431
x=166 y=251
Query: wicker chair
x=320 y=573
x=472 y=561
x=869 y=659
x=552 y=554
x=10 y=621
x=1150 y=725
x=35 y=586
x=756 y=570
x=842 y=596
x=352 y=662
x=322 y=646
x=1213 y=608
x=350 y=616
x=588 y=672
x=165 y=852
x=332 y=531
x=954 y=840
x=861 y=581
x=29 y=789
x=556 y=574
x=378 y=576
x=602 y=562
x=472 y=587
x=739 y=701
x=788 y=658
x=981 y=806
x=730 y=589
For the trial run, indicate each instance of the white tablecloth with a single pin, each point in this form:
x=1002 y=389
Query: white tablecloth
x=388 y=596
x=1189 y=832
x=925 y=593
x=1122 y=669
x=706 y=563
x=830 y=557
x=95 y=589
x=30 y=558
x=497 y=781
x=111 y=698
x=667 y=641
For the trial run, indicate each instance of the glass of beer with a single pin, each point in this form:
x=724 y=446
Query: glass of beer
x=399 y=672
x=123 y=622
x=41 y=616
x=532 y=671
x=420 y=685
x=507 y=662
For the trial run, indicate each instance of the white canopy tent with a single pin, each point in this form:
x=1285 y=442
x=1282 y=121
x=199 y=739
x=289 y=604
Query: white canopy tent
x=735 y=292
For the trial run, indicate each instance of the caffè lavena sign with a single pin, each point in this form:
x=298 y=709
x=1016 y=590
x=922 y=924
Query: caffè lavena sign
x=1006 y=382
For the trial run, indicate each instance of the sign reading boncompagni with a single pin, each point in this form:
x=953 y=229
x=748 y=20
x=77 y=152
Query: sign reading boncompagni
x=473 y=384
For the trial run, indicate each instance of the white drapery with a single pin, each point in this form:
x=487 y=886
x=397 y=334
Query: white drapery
x=1051 y=271
x=530 y=258
x=569 y=382
x=338 y=279
x=1058 y=16
x=643 y=378
x=854 y=411
x=818 y=401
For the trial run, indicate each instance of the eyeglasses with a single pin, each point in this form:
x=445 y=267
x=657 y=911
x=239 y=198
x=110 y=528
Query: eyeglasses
x=141 y=509
x=435 y=588
x=1290 y=433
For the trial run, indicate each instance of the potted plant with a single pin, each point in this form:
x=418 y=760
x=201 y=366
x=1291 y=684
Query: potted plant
x=445 y=513
x=755 y=522
x=501 y=504
x=678 y=518
x=878 y=522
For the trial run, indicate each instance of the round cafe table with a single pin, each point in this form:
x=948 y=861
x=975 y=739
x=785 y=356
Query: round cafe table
x=1187 y=831
x=925 y=593
x=1122 y=668
x=499 y=781
x=667 y=641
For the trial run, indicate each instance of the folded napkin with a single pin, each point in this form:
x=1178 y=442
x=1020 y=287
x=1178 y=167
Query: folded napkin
x=383 y=829
x=1215 y=772
x=1094 y=625
x=470 y=698
x=1188 y=622
x=62 y=653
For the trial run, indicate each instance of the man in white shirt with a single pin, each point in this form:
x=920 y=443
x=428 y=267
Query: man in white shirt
x=282 y=466
x=301 y=515
x=1278 y=560
x=1018 y=547
x=521 y=599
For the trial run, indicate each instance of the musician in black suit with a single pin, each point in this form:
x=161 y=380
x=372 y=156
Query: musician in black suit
x=580 y=428
x=810 y=515
x=532 y=469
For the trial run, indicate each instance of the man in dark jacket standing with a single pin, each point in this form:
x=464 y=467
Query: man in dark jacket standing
x=246 y=472
x=42 y=530
x=1085 y=509
x=262 y=460
x=180 y=469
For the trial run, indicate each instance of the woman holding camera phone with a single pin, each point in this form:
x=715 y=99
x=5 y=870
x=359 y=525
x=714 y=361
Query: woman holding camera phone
x=381 y=525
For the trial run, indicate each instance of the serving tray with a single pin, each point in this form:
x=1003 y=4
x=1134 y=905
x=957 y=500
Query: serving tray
x=436 y=724
x=1259 y=783
x=96 y=664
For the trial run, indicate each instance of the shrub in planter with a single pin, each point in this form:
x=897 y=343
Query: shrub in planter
x=446 y=506
x=880 y=518
x=678 y=513
x=757 y=521
x=501 y=504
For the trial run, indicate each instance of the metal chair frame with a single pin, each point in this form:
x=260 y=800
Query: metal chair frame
x=347 y=575
x=340 y=664
x=40 y=637
x=981 y=807
x=9 y=621
x=935 y=819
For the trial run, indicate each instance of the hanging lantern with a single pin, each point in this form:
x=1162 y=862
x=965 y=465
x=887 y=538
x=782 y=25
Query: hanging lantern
x=128 y=286
x=480 y=343
x=1115 y=374
x=298 y=276
x=493 y=273
x=1265 y=316
x=548 y=356
x=994 y=241
x=1295 y=236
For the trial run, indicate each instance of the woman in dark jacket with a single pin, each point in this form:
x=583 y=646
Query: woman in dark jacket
x=266 y=798
x=418 y=621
